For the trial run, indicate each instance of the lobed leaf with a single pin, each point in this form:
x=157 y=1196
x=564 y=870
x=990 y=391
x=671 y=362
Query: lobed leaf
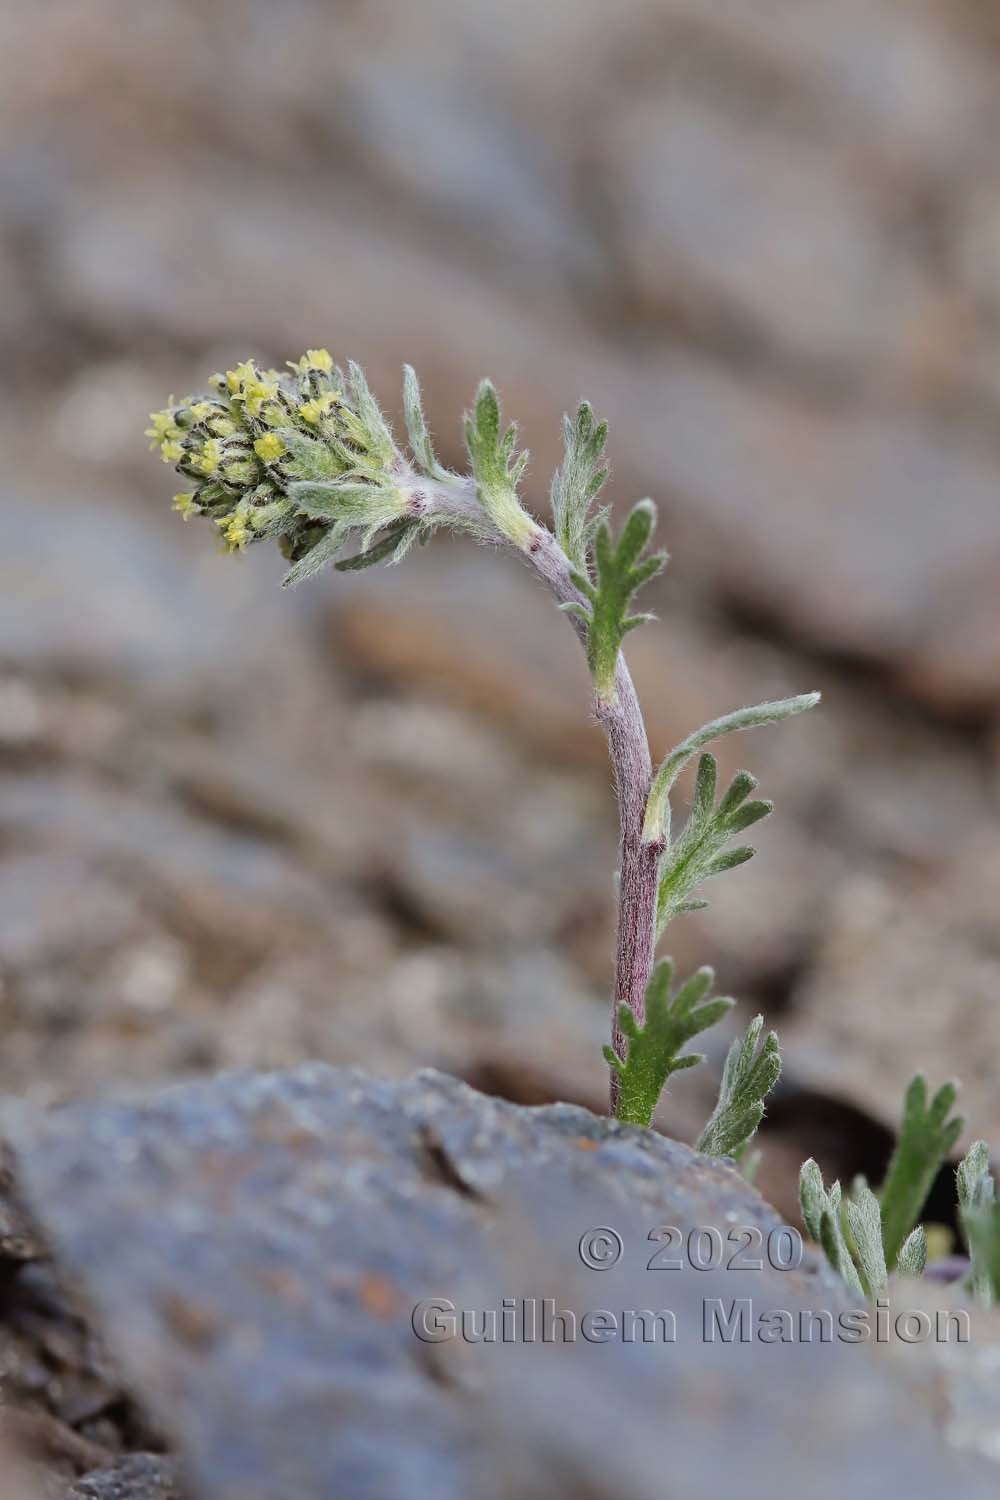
x=699 y=852
x=654 y=1048
x=495 y=469
x=822 y=1215
x=577 y=483
x=926 y=1137
x=621 y=570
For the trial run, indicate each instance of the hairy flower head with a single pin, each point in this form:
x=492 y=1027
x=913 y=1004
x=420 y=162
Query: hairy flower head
x=269 y=447
x=303 y=457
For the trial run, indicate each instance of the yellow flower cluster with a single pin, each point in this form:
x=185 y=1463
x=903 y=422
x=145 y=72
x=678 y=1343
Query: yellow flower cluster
x=257 y=431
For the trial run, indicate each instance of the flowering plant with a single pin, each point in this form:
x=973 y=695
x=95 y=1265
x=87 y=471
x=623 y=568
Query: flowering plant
x=307 y=459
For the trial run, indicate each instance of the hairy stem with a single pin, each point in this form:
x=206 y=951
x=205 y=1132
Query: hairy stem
x=628 y=745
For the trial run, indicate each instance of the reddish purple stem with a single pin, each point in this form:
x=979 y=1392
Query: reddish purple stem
x=638 y=868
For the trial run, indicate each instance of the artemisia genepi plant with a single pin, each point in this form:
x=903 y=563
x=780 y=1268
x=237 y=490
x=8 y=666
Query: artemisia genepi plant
x=305 y=458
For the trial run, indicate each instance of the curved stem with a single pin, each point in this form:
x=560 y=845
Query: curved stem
x=628 y=746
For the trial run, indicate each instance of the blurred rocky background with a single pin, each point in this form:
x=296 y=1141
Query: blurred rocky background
x=370 y=822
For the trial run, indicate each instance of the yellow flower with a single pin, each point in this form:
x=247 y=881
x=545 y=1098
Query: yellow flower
x=236 y=533
x=163 y=428
x=252 y=386
x=240 y=377
x=313 y=411
x=200 y=410
x=171 y=452
x=315 y=359
x=269 y=447
x=185 y=504
x=207 y=461
x=258 y=391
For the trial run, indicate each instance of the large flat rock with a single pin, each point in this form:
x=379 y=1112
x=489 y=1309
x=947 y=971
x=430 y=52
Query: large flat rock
x=254 y=1248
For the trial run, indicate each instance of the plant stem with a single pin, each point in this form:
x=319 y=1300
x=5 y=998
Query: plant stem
x=628 y=745
x=638 y=867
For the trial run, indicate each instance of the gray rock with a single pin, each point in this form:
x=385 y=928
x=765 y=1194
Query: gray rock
x=255 y=1247
x=140 y=1476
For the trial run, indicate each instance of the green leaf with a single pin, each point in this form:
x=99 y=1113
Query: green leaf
x=406 y=536
x=730 y=860
x=416 y=428
x=751 y=1071
x=926 y=1136
x=323 y=552
x=496 y=471
x=368 y=507
x=865 y=1224
x=333 y=500
x=973 y=1178
x=578 y=482
x=309 y=459
x=979 y=1217
x=698 y=854
x=401 y=535
x=813 y=1198
x=981 y=1227
x=913 y=1256
x=822 y=1216
x=865 y=1238
x=657 y=822
x=376 y=435
x=621 y=571
x=654 y=1047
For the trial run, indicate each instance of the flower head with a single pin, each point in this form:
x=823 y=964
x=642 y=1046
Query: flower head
x=185 y=505
x=292 y=456
x=269 y=447
x=315 y=359
x=314 y=410
x=163 y=427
